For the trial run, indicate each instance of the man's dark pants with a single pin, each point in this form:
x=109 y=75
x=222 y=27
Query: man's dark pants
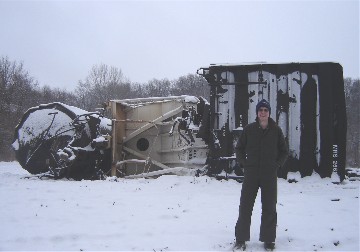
x=249 y=190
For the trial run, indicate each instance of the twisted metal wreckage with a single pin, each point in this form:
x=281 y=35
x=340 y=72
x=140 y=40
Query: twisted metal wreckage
x=187 y=135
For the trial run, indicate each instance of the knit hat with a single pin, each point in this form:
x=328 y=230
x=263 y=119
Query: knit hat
x=263 y=103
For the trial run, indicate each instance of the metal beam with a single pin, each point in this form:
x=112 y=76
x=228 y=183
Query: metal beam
x=135 y=153
x=152 y=123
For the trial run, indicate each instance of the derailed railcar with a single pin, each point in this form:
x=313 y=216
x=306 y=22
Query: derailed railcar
x=185 y=134
x=307 y=101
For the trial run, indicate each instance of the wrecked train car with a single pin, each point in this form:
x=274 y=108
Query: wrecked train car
x=186 y=134
x=308 y=103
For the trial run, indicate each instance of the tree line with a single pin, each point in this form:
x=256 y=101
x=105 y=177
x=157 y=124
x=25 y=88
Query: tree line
x=19 y=92
x=105 y=83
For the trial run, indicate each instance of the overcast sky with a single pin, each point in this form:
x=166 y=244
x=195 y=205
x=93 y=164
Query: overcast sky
x=59 y=41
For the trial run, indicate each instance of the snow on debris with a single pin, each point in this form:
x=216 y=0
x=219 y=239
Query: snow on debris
x=191 y=99
x=39 y=121
x=169 y=213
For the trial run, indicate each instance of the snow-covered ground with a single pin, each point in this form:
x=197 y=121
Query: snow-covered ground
x=168 y=213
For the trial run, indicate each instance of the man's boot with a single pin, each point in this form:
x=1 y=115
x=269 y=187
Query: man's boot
x=269 y=246
x=240 y=245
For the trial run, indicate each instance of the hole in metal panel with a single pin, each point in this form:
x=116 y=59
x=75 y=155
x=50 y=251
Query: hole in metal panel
x=142 y=144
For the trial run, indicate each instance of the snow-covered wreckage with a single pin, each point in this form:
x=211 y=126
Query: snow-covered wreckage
x=58 y=140
x=189 y=135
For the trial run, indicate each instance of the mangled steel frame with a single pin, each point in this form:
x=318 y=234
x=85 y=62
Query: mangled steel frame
x=145 y=141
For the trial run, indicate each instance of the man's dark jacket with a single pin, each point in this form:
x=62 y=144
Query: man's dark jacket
x=262 y=151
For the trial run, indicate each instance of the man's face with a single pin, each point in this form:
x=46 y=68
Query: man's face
x=263 y=113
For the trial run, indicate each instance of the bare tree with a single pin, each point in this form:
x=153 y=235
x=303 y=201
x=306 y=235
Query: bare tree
x=191 y=84
x=157 y=88
x=16 y=92
x=102 y=84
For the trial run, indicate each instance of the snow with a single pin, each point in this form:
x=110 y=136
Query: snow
x=169 y=213
x=39 y=121
x=75 y=110
x=105 y=123
x=191 y=99
x=15 y=144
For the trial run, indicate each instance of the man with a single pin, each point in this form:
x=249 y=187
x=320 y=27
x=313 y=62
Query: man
x=261 y=151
